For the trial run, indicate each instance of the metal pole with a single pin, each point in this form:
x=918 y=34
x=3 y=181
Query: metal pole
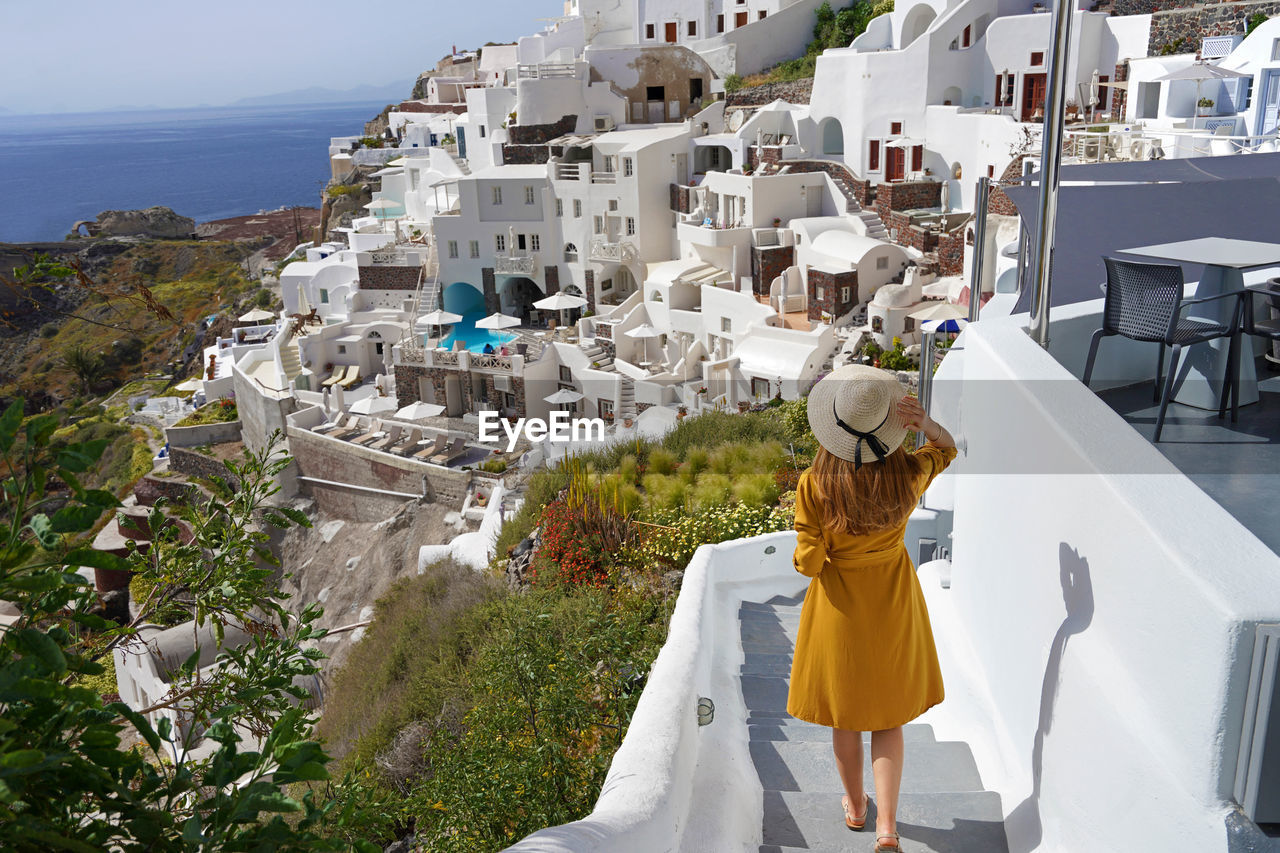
x=1023 y=242
x=1050 y=164
x=979 y=241
x=925 y=391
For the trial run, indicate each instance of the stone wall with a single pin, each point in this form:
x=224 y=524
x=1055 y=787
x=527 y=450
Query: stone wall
x=477 y=388
x=524 y=155
x=551 y=279
x=540 y=134
x=907 y=195
x=390 y=277
x=999 y=202
x=764 y=154
x=322 y=458
x=195 y=464
x=424 y=107
x=767 y=263
x=830 y=301
x=150 y=489
x=589 y=289
x=680 y=199
x=950 y=251
x=1173 y=21
x=793 y=92
x=489 y=287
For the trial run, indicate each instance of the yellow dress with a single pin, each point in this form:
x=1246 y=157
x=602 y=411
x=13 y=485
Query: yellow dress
x=865 y=658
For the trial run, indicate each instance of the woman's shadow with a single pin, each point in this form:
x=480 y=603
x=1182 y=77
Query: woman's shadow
x=1023 y=826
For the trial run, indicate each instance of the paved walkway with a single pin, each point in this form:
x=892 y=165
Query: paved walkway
x=942 y=807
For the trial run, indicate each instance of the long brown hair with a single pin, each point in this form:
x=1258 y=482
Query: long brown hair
x=874 y=497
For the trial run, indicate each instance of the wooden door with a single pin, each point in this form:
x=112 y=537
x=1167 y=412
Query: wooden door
x=1033 y=86
x=671 y=32
x=917 y=158
x=740 y=20
x=895 y=164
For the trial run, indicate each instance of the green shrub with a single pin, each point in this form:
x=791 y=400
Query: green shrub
x=665 y=491
x=339 y=191
x=494 y=466
x=712 y=429
x=695 y=462
x=711 y=490
x=662 y=461
x=1256 y=20
x=733 y=83
x=49 y=330
x=218 y=412
x=756 y=489
x=680 y=533
x=371 y=141
x=628 y=468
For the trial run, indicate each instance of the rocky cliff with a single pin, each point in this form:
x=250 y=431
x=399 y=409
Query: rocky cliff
x=154 y=223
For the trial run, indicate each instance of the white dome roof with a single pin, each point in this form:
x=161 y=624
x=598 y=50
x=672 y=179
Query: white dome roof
x=894 y=296
x=845 y=245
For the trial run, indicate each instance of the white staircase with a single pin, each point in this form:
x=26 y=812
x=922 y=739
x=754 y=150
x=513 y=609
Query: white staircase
x=601 y=359
x=289 y=359
x=627 y=398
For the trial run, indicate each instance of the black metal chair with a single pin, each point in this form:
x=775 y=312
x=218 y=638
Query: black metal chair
x=1144 y=303
x=1264 y=328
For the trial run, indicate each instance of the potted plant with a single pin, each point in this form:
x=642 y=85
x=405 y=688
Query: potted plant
x=626 y=422
x=702 y=390
x=681 y=411
x=1204 y=105
x=777 y=222
x=743 y=405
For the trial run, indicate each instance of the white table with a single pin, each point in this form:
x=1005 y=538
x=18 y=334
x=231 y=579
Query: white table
x=1225 y=259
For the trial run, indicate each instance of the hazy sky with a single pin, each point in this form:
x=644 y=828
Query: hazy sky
x=74 y=55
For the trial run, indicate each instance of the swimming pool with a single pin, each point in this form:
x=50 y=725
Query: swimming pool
x=475 y=339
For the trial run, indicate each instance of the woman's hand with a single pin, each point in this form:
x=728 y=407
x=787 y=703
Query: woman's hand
x=912 y=413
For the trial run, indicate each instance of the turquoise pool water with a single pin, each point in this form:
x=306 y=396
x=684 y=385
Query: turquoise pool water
x=475 y=339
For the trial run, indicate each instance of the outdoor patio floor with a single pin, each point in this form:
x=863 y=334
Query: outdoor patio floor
x=1237 y=464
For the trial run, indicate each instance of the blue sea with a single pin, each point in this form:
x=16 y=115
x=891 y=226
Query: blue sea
x=204 y=163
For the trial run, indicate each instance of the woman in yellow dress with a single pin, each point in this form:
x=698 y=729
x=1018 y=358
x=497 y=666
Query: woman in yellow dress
x=865 y=658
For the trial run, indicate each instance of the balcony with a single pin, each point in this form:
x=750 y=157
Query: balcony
x=703 y=235
x=515 y=264
x=604 y=177
x=621 y=252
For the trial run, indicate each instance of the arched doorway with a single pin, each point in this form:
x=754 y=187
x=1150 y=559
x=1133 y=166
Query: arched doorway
x=916 y=23
x=462 y=298
x=516 y=296
x=712 y=158
x=832 y=136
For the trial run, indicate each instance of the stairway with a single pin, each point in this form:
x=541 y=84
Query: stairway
x=842 y=178
x=462 y=163
x=942 y=807
x=602 y=360
x=627 y=398
x=289 y=359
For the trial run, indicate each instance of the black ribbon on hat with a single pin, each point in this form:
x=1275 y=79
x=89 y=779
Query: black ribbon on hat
x=873 y=441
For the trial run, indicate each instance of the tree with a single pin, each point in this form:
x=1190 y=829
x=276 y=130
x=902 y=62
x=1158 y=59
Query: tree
x=87 y=367
x=66 y=780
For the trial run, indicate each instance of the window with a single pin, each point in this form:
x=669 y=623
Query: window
x=528 y=195
x=991 y=171
x=964 y=39
x=342 y=349
x=577 y=208
x=607 y=284
x=726 y=324
x=648 y=31
x=882 y=263
x=761 y=15
x=895 y=128
x=597 y=224
x=474 y=247
x=500 y=242
x=535 y=243
x=719 y=23
x=613 y=204
x=566 y=375
x=693 y=29
x=759 y=387
x=877 y=325
x=631 y=226
x=908 y=325
x=610 y=163
x=917 y=158
x=570 y=253
x=695 y=90
x=628 y=167
x=1037 y=58
x=655 y=296
x=817 y=293
x=482 y=131
x=559 y=207
x=873 y=155
x=1275 y=50
x=453 y=248
x=324 y=296
x=1244 y=93
x=844 y=294
x=497 y=195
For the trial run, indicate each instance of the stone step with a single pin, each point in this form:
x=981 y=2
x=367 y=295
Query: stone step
x=788 y=728
x=968 y=822
x=937 y=768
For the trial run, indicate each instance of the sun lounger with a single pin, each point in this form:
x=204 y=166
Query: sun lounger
x=352 y=378
x=374 y=429
x=337 y=425
x=434 y=448
x=457 y=448
x=410 y=444
x=393 y=435
x=353 y=427
x=337 y=376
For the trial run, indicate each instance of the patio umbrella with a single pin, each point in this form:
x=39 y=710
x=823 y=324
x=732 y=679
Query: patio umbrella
x=1199 y=72
x=953 y=324
x=564 y=395
x=498 y=321
x=418 y=411
x=938 y=311
x=338 y=394
x=257 y=315
x=373 y=405
x=381 y=205
x=438 y=317
x=562 y=302
x=643 y=332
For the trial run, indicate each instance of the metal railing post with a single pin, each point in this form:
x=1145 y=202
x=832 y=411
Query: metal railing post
x=925 y=391
x=1050 y=164
x=979 y=247
x=1024 y=236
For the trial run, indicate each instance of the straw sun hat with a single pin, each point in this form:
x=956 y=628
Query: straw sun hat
x=853 y=413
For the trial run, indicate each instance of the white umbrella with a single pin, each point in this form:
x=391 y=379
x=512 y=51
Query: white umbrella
x=438 y=317
x=644 y=331
x=373 y=405
x=257 y=315
x=560 y=301
x=380 y=204
x=498 y=321
x=938 y=311
x=564 y=395
x=324 y=401
x=418 y=411
x=1199 y=72
x=338 y=394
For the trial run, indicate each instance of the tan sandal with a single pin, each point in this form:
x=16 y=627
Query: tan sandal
x=856 y=823
x=896 y=848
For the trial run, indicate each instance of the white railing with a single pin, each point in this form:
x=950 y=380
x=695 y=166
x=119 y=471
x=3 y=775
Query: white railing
x=568 y=171
x=514 y=264
x=501 y=363
x=623 y=252
x=604 y=177
x=1216 y=47
x=547 y=70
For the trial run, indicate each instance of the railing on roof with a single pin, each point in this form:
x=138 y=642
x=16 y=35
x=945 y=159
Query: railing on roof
x=547 y=70
x=514 y=264
x=623 y=251
x=604 y=177
x=569 y=171
x=1216 y=47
